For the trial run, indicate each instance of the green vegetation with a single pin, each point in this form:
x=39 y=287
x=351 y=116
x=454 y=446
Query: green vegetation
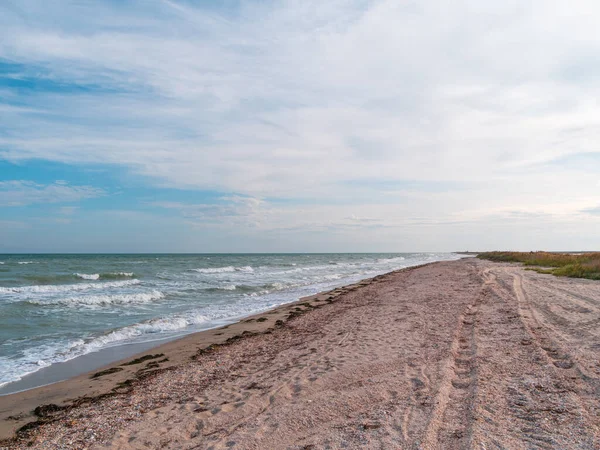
x=582 y=265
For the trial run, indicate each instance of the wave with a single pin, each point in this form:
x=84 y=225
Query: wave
x=331 y=277
x=104 y=276
x=103 y=300
x=389 y=260
x=25 y=262
x=66 y=287
x=149 y=327
x=86 y=276
x=66 y=278
x=117 y=274
x=38 y=358
x=226 y=269
x=262 y=288
x=304 y=269
x=276 y=286
x=229 y=287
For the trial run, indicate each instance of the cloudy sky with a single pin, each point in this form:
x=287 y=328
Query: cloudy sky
x=346 y=125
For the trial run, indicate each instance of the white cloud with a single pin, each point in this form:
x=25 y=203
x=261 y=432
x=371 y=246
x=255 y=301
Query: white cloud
x=317 y=101
x=20 y=193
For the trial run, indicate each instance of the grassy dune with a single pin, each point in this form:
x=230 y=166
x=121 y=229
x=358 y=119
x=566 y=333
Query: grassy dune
x=585 y=265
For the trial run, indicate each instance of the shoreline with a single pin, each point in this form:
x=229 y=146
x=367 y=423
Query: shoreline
x=97 y=360
x=18 y=406
x=104 y=355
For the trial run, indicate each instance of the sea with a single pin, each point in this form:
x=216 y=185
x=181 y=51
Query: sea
x=54 y=308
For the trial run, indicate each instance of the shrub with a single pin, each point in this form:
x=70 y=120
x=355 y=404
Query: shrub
x=579 y=265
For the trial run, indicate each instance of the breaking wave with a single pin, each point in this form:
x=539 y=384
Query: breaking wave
x=246 y=269
x=104 y=276
x=66 y=287
x=153 y=326
x=102 y=300
x=86 y=276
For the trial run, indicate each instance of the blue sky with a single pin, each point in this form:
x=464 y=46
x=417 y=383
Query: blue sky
x=349 y=125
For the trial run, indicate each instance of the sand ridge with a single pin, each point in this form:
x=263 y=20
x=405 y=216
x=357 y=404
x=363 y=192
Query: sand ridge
x=452 y=355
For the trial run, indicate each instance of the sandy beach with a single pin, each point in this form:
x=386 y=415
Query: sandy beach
x=450 y=355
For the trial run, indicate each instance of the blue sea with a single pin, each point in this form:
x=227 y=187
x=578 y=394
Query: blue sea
x=54 y=308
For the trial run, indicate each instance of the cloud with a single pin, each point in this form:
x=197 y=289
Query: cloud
x=232 y=211
x=21 y=193
x=222 y=100
x=476 y=103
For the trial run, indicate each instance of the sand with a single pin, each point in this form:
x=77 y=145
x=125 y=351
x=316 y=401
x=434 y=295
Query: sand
x=451 y=355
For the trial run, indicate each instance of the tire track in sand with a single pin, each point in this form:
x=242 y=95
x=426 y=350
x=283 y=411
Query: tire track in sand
x=559 y=358
x=451 y=418
x=568 y=373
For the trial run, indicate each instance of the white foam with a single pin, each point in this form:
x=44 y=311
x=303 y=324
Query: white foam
x=246 y=269
x=66 y=287
x=39 y=357
x=216 y=270
x=390 y=260
x=229 y=287
x=122 y=274
x=15 y=370
x=151 y=327
x=303 y=269
x=103 y=300
x=333 y=276
x=25 y=262
x=85 y=276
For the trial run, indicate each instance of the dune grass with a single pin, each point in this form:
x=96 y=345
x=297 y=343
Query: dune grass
x=584 y=265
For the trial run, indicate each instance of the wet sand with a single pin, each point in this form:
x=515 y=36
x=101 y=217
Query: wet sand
x=451 y=355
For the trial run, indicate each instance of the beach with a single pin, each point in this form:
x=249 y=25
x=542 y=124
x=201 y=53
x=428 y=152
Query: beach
x=64 y=315
x=448 y=355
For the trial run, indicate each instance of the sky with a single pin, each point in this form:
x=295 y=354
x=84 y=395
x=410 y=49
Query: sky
x=299 y=126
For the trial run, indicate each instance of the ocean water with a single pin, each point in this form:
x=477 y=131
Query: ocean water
x=54 y=308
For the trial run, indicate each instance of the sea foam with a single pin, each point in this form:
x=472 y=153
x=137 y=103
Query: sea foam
x=85 y=276
x=161 y=325
x=44 y=356
x=103 y=300
x=226 y=269
x=66 y=287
